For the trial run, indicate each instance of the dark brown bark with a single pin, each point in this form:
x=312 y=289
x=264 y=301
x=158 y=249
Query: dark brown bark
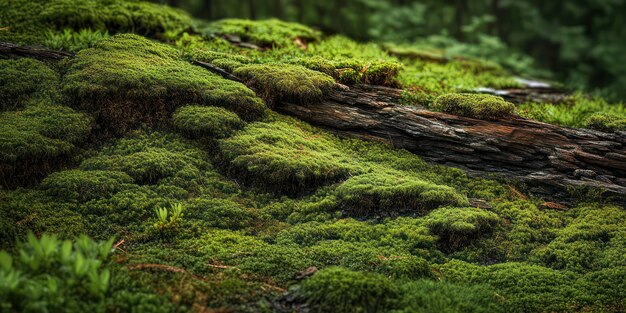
x=9 y=50
x=549 y=158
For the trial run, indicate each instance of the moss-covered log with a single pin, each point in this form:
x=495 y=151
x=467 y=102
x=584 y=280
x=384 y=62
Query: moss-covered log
x=548 y=157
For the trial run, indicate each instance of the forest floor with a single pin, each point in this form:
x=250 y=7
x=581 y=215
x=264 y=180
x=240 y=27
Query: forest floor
x=151 y=162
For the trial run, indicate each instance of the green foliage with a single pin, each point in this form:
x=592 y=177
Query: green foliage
x=32 y=21
x=85 y=185
x=284 y=82
x=474 y=105
x=337 y=289
x=128 y=79
x=48 y=274
x=40 y=132
x=390 y=193
x=267 y=33
x=201 y=121
x=26 y=80
x=457 y=226
x=605 y=122
x=284 y=157
x=71 y=40
x=168 y=219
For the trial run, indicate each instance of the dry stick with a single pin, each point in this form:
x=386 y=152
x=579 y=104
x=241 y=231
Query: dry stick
x=9 y=50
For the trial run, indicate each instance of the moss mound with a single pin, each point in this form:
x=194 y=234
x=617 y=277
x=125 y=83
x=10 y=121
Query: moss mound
x=128 y=79
x=202 y=121
x=85 y=185
x=41 y=132
x=283 y=157
x=267 y=33
x=30 y=20
x=474 y=105
x=606 y=122
x=285 y=82
x=458 y=226
x=25 y=80
x=391 y=193
x=337 y=289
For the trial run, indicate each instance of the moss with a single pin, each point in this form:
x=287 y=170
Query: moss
x=474 y=105
x=221 y=213
x=265 y=33
x=128 y=79
x=200 y=121
x=337 y=289
x=575 y=111
x=26 y=80
x=606 y=122
x=458 y=226
x=30 y=21
x=430 y=296
x=85 y=185
x=283 y=157
x=41 y=132
x=284 y=82
x=391 y=193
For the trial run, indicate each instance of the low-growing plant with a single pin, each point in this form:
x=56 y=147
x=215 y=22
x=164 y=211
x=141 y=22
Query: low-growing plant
x=168 y=219
x=26 y=80
x=266 y=33
x=458 y=226
x=606 y=122
x=71 y=40
x=47 y=274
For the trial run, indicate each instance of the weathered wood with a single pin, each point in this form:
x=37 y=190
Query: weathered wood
x=9 y=50
x=217 y=70
x=547 y=157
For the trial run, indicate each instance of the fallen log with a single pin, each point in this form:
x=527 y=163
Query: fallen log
x=547 y=157
x=9 y=50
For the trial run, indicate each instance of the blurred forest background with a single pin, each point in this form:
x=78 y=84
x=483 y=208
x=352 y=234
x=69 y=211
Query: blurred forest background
x=581 y=43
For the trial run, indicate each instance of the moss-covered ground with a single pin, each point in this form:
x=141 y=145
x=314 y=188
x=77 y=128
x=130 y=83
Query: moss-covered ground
x=200 y=198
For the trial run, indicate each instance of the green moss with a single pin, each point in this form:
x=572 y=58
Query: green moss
x=26 y=80
x=265 y=33
x=284 y=82
x=391 y=193
x=30 y=21
x=200 y=121
x=41 y=132
x=474 y=105
x=457 y=226
x=221 y=213
x=283 y=157
x=128 y=79
x=576 y=111
x=85 y=185
x=430 y=297
x=605 y=122
x=337 y=289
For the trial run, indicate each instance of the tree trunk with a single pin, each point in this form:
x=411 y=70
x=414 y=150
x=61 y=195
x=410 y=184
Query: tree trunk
x=547 y=157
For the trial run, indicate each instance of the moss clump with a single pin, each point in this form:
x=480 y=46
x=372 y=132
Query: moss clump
x=267 y=33
x=71 y=40
x=292 y=83
x=337 y=289
x=25 y=80
x=85 y=185
x=201 y=121
x=40 y=132
x=430 y=296
x=146 y=160
x=606 y=122
x=283 y=157
x=457 y=226
x=391 y=193
x=474 y=105
x=30 y=20
x=128 y=79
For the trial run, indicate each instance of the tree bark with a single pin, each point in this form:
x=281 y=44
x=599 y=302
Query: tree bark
x=548 y=158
